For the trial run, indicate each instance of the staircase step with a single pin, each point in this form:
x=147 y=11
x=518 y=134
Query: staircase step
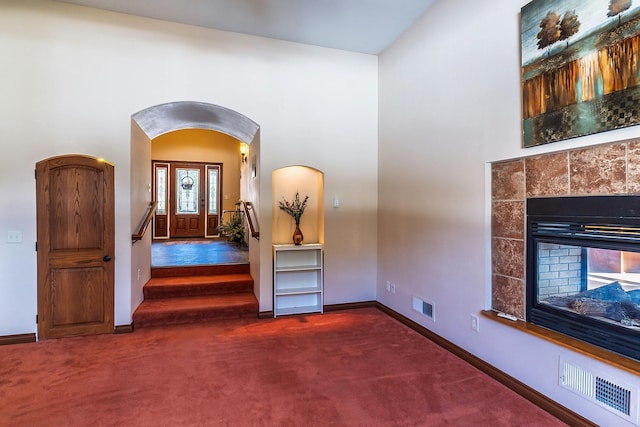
x=176 y=295
x=199 y=270
x=184 y=286
x=173 y=311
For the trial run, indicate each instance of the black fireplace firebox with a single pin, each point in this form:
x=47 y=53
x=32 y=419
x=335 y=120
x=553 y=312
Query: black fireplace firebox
x=583 y=269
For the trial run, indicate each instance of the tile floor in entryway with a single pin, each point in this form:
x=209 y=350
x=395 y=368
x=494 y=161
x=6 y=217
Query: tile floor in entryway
x=192 y=252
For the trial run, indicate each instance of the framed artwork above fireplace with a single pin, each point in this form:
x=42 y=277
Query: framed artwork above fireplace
x=580 y=73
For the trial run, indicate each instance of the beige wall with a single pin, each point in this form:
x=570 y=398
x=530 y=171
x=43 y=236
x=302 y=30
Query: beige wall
x=140 y=197
x=199 y=145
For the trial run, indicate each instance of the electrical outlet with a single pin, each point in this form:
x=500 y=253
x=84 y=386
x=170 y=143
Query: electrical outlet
x=388 y=286
x=14 y=237
x=475 y=323
x=393 y=288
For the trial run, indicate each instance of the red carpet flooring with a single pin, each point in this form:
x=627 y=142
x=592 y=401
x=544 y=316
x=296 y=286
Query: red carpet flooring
x=351 y=368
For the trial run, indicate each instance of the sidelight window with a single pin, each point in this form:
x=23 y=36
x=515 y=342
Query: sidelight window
x=161 y=190
x=213 y=172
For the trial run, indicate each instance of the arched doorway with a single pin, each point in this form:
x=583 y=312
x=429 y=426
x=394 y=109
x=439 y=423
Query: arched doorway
x=161 y=119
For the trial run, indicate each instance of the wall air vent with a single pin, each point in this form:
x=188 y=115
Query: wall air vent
x=424 y=307
x=613 y=395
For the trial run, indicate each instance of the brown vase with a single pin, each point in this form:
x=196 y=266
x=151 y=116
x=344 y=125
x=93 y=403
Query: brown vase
x=297 y=236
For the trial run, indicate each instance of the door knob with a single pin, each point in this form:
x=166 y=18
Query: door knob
x=106 y=258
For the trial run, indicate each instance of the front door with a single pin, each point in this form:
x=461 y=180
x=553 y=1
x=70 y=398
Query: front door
x=75 y=233
x=187 y=186
x=188 y=199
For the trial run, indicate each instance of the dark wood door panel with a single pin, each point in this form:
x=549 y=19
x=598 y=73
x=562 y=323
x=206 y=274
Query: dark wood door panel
x=160 y=226
x=76 y=297
x=75 y=214
x=212 y=225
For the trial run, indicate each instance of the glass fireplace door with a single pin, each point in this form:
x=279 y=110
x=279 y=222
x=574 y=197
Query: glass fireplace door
x=590 y=281
x=583 y=269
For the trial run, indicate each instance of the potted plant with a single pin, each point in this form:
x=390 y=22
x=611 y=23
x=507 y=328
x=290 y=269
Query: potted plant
x=233 y=229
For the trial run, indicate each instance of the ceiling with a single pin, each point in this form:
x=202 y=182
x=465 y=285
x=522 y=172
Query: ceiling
x=365 y=26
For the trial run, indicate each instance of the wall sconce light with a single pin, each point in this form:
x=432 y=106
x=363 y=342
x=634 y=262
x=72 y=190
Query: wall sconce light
x=243 y=152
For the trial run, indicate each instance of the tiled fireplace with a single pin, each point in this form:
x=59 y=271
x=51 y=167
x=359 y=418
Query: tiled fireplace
x=600 y=170
x=547 y=184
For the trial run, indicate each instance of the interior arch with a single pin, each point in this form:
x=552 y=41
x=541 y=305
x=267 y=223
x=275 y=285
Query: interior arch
x=158 y=120
x=163 y=118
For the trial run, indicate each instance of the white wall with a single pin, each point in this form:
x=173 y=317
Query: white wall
x=71 y=77
x=140 y=198
x=449 y=105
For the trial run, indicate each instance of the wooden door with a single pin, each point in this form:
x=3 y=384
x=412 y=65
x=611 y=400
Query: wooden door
x=188 y=205
x=75 y=232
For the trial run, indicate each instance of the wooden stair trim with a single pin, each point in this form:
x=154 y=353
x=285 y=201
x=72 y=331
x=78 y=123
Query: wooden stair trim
x=197 y=302
x=201 y=279
x=199 y=270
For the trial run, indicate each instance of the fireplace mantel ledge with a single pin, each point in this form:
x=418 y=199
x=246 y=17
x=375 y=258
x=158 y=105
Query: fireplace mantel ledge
x=605 y=356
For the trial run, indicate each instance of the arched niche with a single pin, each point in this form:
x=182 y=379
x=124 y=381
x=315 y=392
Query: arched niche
x=306 y=181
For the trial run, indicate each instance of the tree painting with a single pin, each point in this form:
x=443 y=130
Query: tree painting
x=569 y=26
x=616 y=7
x=553 y=28
x=580 y=68
x=549 y=30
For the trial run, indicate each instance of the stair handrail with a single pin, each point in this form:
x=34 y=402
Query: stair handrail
x=248 y=206
x=151 y=209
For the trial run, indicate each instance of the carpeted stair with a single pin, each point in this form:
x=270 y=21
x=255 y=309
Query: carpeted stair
x=177 y=295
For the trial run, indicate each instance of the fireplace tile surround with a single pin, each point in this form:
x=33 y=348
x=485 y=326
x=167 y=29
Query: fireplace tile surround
x=599 y=170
